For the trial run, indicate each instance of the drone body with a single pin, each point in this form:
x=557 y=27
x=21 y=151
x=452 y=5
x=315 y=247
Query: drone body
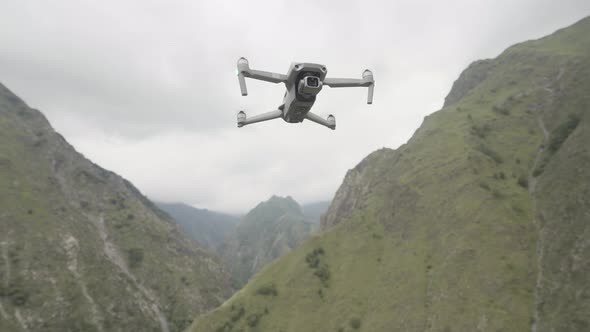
x=303 y=82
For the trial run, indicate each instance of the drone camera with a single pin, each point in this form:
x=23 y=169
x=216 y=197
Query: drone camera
x=312 y=81
x=309 y=86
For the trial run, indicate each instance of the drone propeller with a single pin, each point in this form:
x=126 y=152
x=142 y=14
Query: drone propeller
x=243 y=67
x=368 y=76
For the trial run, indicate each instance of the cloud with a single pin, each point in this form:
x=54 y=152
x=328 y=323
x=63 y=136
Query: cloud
x=148 y=88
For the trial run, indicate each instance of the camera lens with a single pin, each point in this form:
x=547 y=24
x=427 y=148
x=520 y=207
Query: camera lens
x=312 y=81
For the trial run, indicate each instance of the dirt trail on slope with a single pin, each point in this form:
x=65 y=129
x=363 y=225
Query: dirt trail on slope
x=532 y=192
x=20 y=319
x=539 y=249
x=115 y=257
x=70 y=244
x=4 y=244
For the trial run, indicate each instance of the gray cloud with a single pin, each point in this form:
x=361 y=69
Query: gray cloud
x=148 y=88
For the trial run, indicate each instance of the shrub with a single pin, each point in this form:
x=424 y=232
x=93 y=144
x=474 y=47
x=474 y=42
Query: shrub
x=490 y=153
x=237 y=315
x=252 y=320
x=321 y=293
x=539 y=170
x=499 y=176
x=501 y=109
x=135 y=256
x=225 y=327
x=484 y=186
x=313 y=259
x=497 y=194
x=323 y=273
x=18 y=297
x=523 y=181
x=267 y=290
x=480 y=131
x=562 y=132
x=355 y=323
x=518 y=209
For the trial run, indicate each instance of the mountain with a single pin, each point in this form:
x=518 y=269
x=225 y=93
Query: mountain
x=268 y=231
x=81 y=249
x=208 y=228
x=315 y=210
x=479 y=223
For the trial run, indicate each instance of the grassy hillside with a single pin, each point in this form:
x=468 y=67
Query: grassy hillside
x=208 y=228
x=268 y=231
x=81 y=249
x=478 y=223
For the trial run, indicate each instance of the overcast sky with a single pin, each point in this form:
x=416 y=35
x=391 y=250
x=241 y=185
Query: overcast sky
x=148 y=88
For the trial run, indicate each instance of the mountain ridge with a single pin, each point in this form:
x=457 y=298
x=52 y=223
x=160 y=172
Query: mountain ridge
x=82 y=248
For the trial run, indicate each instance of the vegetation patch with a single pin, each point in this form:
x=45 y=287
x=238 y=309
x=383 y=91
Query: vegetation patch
x=501 y=109
x=135 y=257
x=313 y=258
x=480 y=131
x=322 y=270
x=253 y=320
x=562 y=132
x=523 y=181
x=237 y=313
x=355 y=323
x=267 y=290
x=490 y=153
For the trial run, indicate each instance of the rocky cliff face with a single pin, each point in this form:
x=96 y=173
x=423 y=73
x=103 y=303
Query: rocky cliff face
x=81 y=248
x=479 y=223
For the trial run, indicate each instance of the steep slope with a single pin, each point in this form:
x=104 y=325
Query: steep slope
x=81 y=249
x=268 y=231
x=481 y=222
x=208 y=228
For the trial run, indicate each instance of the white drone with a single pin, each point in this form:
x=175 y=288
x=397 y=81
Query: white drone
x=303 y=82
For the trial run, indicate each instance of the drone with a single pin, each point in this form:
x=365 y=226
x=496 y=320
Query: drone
x=303 y=82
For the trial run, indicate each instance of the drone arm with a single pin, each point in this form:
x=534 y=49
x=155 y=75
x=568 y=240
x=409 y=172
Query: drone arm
x=345 y=82
x=244 y=120
x=265 y=76
x=330 y=122
x=245 y=71
x=366 y=81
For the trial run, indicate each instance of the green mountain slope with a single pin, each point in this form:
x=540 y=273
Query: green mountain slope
x=81 y=249
x=208 y=228
x=268 y=231
x=481 y=222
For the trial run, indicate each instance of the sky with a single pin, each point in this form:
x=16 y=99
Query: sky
x=148 y=88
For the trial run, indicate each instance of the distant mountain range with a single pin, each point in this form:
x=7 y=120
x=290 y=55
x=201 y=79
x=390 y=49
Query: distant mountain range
x=481 y=222
x=267 y=232
x=314 y=211
x=208 y=228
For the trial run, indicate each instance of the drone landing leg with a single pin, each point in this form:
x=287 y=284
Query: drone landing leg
x=244 y=120
x=330 y=122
